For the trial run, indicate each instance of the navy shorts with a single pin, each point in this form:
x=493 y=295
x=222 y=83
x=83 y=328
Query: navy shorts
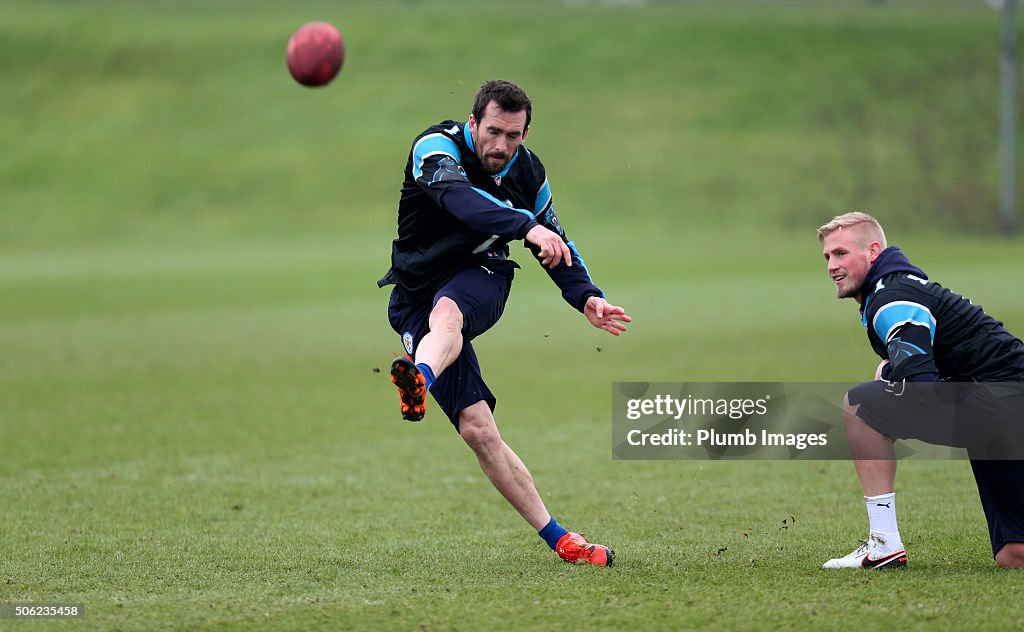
x=481 y=293
x=985 y=419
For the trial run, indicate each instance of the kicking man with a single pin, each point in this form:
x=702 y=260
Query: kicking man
x=471 y=188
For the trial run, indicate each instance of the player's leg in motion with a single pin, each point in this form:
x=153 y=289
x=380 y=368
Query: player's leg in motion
x=874 y=458
x=501 y=465
x=510 y=477
x=467 y=401
x=437 y=350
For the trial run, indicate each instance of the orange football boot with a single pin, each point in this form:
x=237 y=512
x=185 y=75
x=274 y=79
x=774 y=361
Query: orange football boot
x=412 y=388
x=574 y=548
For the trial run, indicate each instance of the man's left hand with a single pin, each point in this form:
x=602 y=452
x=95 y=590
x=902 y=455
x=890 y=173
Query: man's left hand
x=606 y=316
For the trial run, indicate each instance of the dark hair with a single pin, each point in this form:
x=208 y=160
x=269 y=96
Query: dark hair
x=508 y=96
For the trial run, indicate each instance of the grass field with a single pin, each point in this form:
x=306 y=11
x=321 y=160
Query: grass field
x=193 y=431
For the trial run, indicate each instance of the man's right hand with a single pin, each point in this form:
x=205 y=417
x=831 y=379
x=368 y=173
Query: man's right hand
x=552 y=247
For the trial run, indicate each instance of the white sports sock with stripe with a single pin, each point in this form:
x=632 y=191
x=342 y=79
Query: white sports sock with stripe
x=882 y=519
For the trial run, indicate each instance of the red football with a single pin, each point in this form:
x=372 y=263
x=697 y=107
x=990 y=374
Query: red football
x=315 y=54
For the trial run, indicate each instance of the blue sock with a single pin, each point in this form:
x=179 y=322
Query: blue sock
x=552 y=533
x=428 y=373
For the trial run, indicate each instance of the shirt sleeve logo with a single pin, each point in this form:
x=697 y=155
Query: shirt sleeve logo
x=449 y=171
x=900 y=350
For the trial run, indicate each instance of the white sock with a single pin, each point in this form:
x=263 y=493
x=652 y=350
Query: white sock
x=882 y=519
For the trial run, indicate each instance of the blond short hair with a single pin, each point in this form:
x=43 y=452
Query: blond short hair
x=874 y=230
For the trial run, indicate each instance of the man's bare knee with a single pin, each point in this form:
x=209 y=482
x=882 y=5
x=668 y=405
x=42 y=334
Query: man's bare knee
x=1011 y=555
x=446 y=316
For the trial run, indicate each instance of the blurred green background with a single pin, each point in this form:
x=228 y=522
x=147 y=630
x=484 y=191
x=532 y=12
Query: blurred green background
x=193 y=428
x=129 y=120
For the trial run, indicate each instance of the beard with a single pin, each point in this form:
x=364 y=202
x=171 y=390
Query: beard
x=853 y=291
x=493 y=163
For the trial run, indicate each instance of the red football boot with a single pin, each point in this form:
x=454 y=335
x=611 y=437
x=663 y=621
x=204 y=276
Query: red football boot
x=574 y=548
